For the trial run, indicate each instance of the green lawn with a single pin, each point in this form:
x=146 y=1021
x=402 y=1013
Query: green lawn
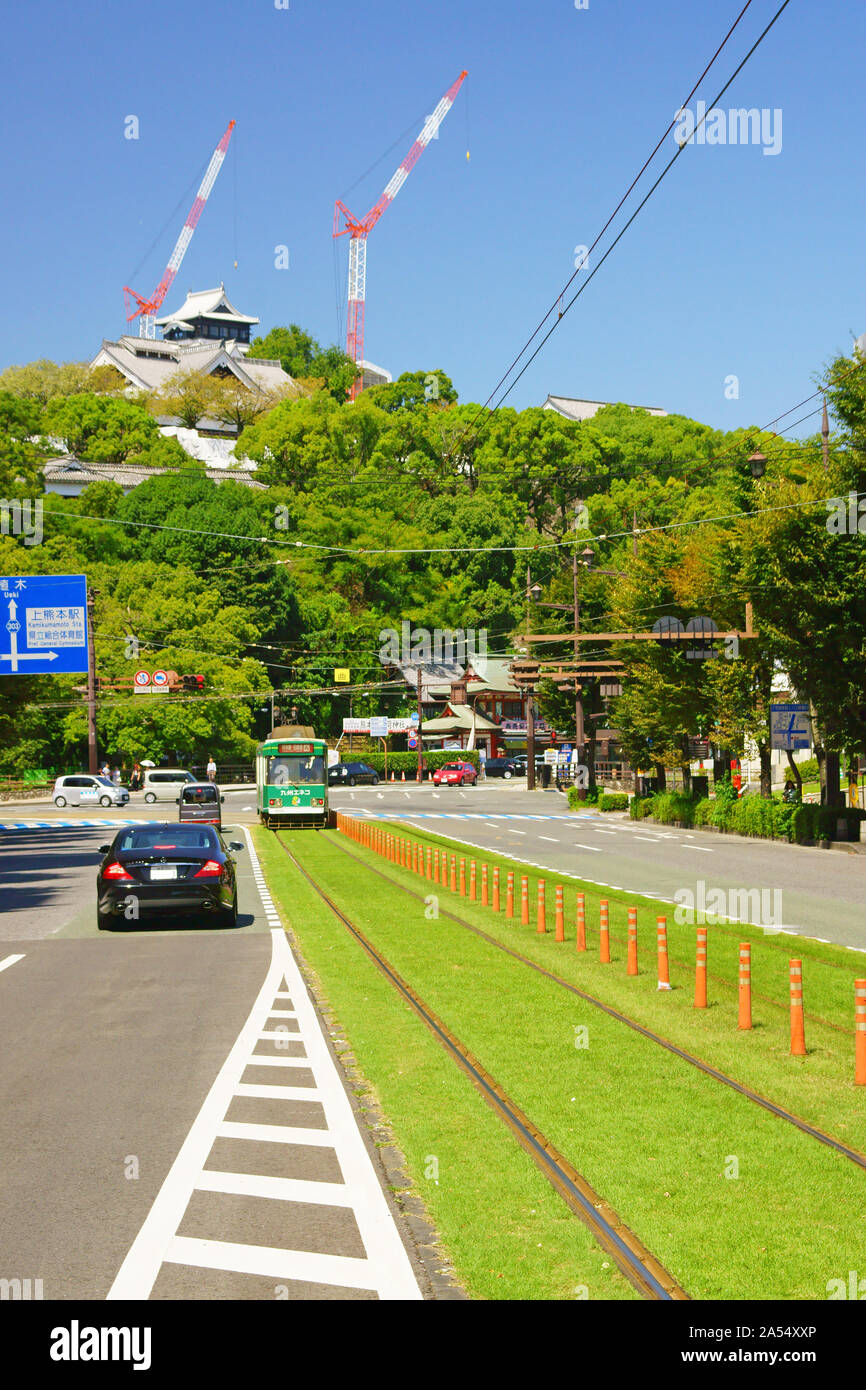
x=653 y=1135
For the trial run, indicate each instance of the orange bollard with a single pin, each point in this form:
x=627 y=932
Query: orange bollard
x=462 y=877
x=414 y=857
x=798 y=1031
x=581 y=922
x=701 y=970
x=559 y=918
x=429 y=873
x=484 y=899
x=541 y=915
x=473 y=897
x=744 y=1019
x=860 y=1032
x=631 y=968
x=524 y=901
x=509 y=894
x=454 y=873
x=604 y=934
x=496 y=888
x=662 y=935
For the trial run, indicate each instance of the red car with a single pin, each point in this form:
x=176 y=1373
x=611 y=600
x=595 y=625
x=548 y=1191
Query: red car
x=455 y=774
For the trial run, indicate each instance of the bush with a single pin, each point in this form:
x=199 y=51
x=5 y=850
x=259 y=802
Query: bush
x=641 y=807
x=613 y=801
x=703 y=814
x=592 y=796
x=672 y=808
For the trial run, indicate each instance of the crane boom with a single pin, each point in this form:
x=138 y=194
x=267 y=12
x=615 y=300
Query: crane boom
x=148 y=308
x=359 y=230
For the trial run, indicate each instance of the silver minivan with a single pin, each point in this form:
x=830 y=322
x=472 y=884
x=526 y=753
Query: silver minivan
x=87 y=789
x=164 y=783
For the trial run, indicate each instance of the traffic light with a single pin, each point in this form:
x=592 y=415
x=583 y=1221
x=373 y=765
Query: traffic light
x=194 y=684
x=525 y=673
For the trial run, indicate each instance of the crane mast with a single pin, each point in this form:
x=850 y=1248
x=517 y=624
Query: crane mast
x=148 y=308
x=359 y=229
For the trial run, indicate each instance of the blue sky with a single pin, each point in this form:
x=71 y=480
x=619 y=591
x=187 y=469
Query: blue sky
x=742 y=263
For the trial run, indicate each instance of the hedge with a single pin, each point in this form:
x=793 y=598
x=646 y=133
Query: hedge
x=755 y=816
x=408 y=762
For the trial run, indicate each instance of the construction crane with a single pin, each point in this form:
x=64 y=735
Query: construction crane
x=358 y=231
x=148 y=308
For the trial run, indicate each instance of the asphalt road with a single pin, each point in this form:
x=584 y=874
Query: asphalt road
x=175 y=1123
x=814 y=892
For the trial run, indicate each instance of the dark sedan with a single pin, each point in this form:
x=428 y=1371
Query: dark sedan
x=164 y=871
x=503 y=767
x=351 y=774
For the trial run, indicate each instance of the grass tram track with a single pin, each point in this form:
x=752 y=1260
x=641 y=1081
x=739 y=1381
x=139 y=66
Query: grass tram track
x=644 y=1272
x=854 y=1155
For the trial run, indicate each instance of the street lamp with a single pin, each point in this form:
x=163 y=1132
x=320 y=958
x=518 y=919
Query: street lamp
x=758 y=464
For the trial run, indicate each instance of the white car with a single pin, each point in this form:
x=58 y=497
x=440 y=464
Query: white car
x=164 y=783
x=88 y=789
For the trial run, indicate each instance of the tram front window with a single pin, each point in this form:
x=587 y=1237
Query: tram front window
x=292 y=772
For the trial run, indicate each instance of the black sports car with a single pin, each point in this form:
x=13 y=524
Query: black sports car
x=167 y=870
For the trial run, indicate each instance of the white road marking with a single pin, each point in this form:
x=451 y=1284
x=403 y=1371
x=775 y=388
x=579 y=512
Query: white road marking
x=595 y=849
x=386 y=1268
x=650 y=839
x=699 y=848
x=9 y=960
x=549 y=838
x=603 y=832
x=512 y=831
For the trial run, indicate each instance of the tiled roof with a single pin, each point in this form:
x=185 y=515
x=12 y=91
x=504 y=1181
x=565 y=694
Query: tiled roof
x=575 y=409
x=70 y=469
x=206 y=304
x=150 y=365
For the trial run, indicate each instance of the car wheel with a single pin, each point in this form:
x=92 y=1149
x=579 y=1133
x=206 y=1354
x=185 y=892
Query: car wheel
x=461 y=782
x=104 y=920
x=105 y=801
x=507 y=773
x=60 y=801
x=351 y=781
x=375 y=782
x=149 y=798
x=230 y=917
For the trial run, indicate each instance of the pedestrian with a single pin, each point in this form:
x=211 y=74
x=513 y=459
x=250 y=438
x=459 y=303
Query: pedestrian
x=106 y=770
x=115 y=776
x=135 y=779
x=211 y=769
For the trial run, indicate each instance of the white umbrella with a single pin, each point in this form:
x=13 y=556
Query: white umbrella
x=145 y=762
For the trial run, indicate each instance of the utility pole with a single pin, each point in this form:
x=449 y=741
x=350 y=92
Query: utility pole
x=530 y=713
x=92 y=758
x=579 y=733
x=420 y=752
x=825 y=436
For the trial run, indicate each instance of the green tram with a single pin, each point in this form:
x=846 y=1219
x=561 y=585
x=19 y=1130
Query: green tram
x=292 y=779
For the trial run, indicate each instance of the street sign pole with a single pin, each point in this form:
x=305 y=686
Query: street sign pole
x=420 y=757
x=92 y=751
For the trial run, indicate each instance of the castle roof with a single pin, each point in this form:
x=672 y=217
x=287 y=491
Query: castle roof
x=210 y=304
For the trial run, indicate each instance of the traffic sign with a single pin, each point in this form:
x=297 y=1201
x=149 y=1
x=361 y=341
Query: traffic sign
x=378 y=726
x=160 y=679
x=790 y=726
x=342 y=675
x=413 y=741
x=142 y=680
x=45 y=622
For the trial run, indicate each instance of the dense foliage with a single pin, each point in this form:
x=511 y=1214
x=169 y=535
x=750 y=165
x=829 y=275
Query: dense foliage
x=409 y=506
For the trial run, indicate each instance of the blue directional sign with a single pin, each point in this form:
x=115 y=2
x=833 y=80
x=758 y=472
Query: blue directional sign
x=43 y=624
x=790 y=726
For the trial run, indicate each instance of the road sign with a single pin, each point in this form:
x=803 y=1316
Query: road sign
x=413 y=717
x=378 y=726
x=413 y=741
x=160 y=679
x=790 y=726
x=551 y=755
x=142 y=680
x=342 y=675
x=44 y=619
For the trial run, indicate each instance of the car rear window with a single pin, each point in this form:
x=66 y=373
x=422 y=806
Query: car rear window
x=175 y=837
x=197 y=796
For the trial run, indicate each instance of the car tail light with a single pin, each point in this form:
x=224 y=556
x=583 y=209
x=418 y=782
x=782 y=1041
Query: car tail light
x=210 y=869
x=116 y=871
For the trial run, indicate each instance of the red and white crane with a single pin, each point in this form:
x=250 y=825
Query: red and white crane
x=359 y=230
x=148 y=308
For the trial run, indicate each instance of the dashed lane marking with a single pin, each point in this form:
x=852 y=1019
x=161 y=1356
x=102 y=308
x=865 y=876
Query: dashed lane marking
x=385 y=1267
x=10 y=960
